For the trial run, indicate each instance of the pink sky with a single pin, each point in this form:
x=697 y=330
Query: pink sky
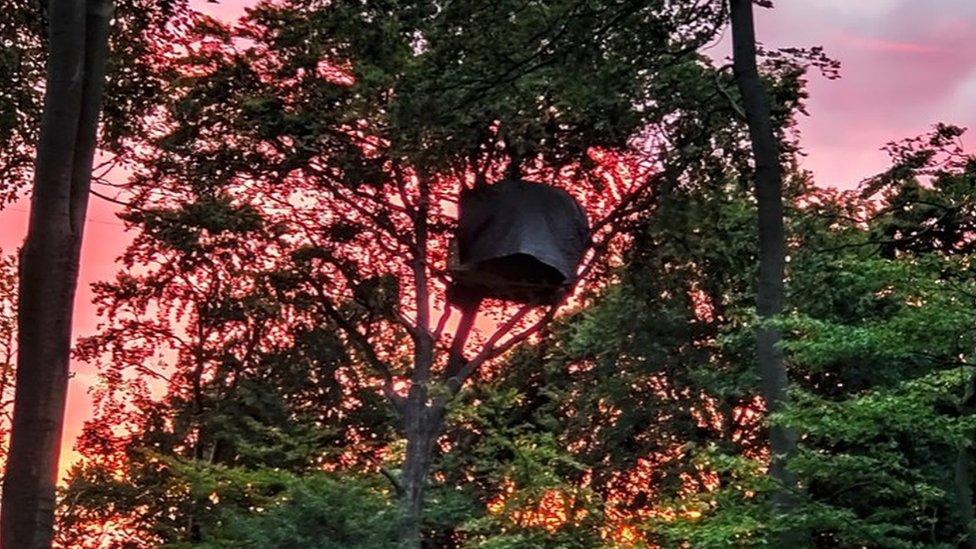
x=906 y=65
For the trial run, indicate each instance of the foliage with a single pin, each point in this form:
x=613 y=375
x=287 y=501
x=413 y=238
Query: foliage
x=292 y=200
x=8 y=348
x=265 y=507
x=276 y=509
x=21 y=68
x=141 y=28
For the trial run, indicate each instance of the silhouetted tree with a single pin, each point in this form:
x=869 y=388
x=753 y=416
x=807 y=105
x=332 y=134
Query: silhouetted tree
x=768 y=188
x=78 y=43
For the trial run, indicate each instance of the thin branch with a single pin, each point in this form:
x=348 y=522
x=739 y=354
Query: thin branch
x=393 y=480
x=728 y=97
x=490 y=350
x=116 y=200
x=365 y=347
x=398 y=179
x=455 y=358
x=442 y=321
x=625 y=206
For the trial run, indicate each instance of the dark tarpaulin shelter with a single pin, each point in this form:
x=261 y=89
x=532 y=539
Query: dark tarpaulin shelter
x=518 y=241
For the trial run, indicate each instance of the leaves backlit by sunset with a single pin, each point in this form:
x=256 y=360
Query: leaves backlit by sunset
x=281 y=339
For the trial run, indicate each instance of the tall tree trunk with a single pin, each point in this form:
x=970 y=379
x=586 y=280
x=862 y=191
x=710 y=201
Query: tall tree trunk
x=963 y=473
x=78 y=38
x=963 y=487
x=772 y=241
x=422 y=425
x=423 y=422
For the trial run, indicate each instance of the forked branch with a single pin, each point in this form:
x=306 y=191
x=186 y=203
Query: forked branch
x=361 y=342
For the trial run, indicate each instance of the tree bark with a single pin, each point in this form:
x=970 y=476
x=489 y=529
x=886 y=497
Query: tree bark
x=49 y=266
x=963 y=473
x=422 y=425
x=963 y=487
x=768 y=191
x=423 y=422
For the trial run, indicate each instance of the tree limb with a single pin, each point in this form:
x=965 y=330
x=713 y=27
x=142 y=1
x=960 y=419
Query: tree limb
x=365 y=348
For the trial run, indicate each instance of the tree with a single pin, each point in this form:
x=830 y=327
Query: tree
x=77 y=56
x=313 y=173
x=78 y=41
x=607 y=411
x=879 y=336
x=919 y=221
x=772 y=240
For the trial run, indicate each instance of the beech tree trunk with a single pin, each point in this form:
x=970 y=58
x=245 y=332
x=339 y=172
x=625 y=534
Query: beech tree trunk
x=768 y=191
x=963 y=487
x=963 y=473
x=78 y=41
x=422 y=425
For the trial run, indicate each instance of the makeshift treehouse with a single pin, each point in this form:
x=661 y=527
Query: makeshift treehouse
x=517 y=241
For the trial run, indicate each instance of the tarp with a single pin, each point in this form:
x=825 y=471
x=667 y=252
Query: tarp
x=518 y=240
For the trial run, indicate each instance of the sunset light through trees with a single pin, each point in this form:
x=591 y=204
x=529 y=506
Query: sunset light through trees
x=769 y=340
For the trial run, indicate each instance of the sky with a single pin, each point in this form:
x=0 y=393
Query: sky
x=906 y=64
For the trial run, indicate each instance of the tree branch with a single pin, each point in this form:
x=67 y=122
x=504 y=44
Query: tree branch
x=393 y=480
x=490 y=351
x=365 y=348
x=455 y=358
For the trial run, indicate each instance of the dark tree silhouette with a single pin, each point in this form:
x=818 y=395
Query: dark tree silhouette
x=78 y=42
x=768 y=191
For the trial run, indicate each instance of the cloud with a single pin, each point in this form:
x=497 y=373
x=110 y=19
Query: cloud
x=906 y=64
x=863 y=8
x=882 y=45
